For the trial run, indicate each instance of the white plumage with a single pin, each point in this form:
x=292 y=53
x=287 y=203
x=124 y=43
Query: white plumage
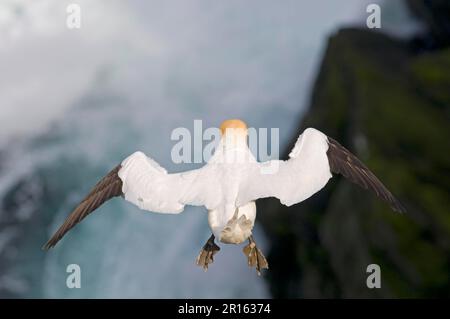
x=229 y=184
x=231 y=180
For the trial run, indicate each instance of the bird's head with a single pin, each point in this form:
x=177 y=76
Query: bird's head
x=234 y=132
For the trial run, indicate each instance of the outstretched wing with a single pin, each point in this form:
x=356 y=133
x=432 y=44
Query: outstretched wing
x=312 y=161
x=342 y=161
x=148 y=185
x=108 y=187
x=143 y=182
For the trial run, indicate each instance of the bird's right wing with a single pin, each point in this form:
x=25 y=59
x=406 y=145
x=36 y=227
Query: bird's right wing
x=312 y=161
x=143 y=182
x=292 y=181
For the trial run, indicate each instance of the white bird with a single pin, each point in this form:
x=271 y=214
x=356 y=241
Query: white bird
x=228 y=186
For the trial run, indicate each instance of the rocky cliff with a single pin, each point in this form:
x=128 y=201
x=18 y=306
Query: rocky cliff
x=388 y=104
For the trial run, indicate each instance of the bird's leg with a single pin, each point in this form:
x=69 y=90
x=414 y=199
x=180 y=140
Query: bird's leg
x=255 y=257
x=207 y=253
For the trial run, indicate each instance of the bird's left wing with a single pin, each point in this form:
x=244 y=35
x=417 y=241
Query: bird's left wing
x=108 y=187
x=148 y=185
x=312 y=161
x=143 y=182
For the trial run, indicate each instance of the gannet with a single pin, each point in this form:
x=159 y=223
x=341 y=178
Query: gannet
x=228 y=186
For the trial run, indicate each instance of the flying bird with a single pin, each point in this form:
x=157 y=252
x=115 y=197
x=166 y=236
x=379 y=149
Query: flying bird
x=228 y=186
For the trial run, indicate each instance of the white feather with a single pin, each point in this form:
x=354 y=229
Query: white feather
x=147 y=185
x=292 y=181
x=229 y=183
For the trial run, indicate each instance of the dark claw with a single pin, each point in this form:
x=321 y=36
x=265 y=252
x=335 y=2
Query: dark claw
x=255 y=256
x=207 y=253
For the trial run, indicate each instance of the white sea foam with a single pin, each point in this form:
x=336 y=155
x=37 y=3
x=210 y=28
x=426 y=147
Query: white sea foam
x=228 y=56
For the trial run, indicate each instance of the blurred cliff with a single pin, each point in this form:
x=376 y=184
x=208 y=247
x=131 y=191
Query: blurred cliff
x=388 y=101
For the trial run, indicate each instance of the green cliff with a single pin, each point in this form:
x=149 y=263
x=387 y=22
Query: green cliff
x=390 y=106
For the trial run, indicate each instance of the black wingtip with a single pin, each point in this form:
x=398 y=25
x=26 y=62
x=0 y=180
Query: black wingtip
x=399 y=208
x=48 y=245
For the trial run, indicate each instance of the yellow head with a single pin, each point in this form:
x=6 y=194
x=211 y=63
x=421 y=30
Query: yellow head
x=234 y=125
x=234 y=133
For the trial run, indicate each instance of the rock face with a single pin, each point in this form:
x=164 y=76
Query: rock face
x=389 y=106
x=435 y=14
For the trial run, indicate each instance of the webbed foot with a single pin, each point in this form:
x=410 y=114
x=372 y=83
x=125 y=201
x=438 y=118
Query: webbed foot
x=255 y=256
x=207 y=253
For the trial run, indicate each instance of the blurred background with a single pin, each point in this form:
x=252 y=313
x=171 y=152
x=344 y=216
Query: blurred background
x=75 y=102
